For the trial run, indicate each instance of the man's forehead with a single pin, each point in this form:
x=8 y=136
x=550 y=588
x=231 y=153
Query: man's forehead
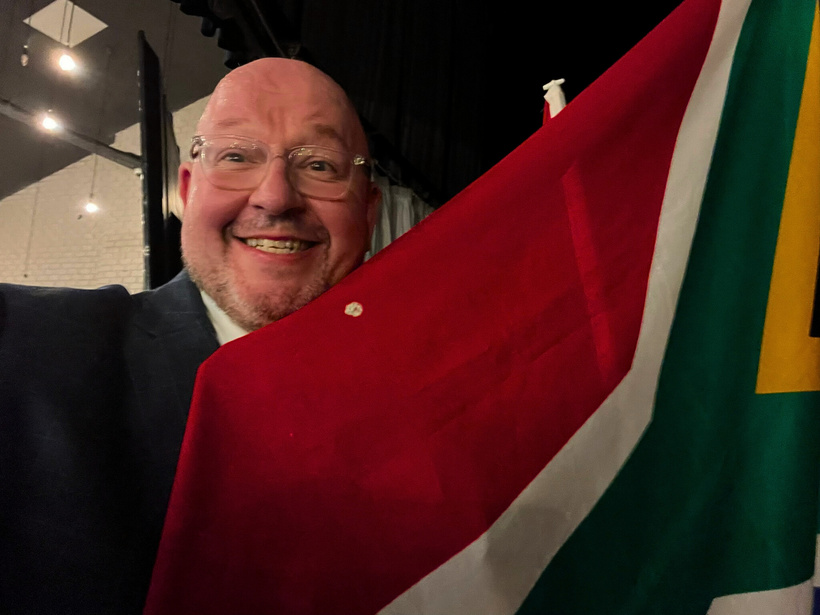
x=243 y=100
x=240 y=99
x=284 y=87
x=245 y=124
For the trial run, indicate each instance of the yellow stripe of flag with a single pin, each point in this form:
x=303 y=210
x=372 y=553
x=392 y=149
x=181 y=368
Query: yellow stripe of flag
x=789 y=357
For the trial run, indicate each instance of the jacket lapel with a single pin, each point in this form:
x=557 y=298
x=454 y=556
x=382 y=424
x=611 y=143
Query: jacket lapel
x=168 y=338
x=171 y=337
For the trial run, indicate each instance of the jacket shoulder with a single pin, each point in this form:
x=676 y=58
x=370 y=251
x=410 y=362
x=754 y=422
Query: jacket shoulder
x=61 y=311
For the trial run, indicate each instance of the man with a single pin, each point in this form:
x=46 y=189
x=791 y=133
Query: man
x=95 y=385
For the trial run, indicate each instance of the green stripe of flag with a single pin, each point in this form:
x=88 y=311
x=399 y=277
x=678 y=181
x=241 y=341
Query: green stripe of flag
x=720 y=496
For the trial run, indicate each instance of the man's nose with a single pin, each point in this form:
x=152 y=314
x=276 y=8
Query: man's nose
x=275 y=193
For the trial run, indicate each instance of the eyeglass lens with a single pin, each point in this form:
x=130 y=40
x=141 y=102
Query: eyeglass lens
x=235 y=164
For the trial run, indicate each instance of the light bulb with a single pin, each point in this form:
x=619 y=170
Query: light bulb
x=66 y=62
x=49 y=123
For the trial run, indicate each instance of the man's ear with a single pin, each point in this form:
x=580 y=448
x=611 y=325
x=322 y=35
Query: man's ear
x=373 y=201
x=184 y=176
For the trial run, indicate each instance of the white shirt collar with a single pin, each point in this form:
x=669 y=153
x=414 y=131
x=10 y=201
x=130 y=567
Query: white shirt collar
x=226 y=329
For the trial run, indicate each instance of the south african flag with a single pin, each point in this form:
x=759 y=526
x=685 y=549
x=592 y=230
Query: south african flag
x=586 y=385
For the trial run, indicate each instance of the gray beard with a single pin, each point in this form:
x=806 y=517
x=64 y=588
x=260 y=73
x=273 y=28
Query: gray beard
x=258 y=310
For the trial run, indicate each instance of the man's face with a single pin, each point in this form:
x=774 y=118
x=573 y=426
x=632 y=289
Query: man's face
x=315 y=242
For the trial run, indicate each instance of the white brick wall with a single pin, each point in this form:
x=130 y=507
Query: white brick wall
x=48 y=239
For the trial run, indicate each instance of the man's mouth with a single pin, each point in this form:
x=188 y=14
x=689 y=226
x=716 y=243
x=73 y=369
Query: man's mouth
x=278 y=246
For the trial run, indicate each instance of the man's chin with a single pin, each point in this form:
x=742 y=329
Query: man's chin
x=253 y=303
x=253 y=310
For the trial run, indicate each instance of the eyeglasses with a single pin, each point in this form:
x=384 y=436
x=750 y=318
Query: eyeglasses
x=232 y=162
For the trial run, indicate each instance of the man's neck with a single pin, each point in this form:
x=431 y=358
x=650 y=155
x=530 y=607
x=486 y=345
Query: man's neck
x=226 y=329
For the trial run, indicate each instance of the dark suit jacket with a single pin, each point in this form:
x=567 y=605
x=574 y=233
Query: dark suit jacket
x=94 y=393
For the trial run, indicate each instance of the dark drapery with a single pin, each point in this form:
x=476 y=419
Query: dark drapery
x=447 y=88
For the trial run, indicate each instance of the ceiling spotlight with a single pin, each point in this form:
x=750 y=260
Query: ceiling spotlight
x=92 y=207
x=49 y=123
x=66 y=62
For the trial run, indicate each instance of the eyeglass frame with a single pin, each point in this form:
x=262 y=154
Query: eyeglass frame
x=358 y=161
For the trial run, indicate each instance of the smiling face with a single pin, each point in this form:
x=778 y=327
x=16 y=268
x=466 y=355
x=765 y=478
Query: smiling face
x=264 y=252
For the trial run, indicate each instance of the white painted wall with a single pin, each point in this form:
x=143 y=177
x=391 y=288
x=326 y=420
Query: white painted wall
x=48 y=239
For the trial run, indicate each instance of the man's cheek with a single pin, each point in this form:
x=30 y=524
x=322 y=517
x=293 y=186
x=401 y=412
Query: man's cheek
x=351 y=226
x=218 y=214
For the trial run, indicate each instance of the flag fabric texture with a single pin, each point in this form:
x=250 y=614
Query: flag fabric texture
x=585 y=385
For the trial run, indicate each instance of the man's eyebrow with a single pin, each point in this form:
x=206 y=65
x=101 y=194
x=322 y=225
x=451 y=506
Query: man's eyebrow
x=230 y=122
x=326 y=130
x=319 y=130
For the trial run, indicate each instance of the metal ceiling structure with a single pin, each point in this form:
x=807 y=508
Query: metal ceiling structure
x=102 y=98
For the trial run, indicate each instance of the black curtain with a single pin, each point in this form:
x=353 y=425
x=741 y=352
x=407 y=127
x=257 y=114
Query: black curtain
x=445 y=87
x=455 y=86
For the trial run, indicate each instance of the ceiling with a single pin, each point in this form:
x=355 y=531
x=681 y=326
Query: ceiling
x=103 y=97
x=446 y=88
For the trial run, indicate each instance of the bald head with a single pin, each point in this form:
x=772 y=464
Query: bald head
x=286 y=83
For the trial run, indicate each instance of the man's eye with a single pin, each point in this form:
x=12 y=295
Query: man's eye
x=241 y=157
x=232 y=156
x=318 y=167
x=322 y=166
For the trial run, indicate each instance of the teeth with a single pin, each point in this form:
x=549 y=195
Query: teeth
x=277 y=246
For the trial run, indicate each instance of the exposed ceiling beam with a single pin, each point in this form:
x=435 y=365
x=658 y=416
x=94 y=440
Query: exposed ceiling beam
x=92 y=146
